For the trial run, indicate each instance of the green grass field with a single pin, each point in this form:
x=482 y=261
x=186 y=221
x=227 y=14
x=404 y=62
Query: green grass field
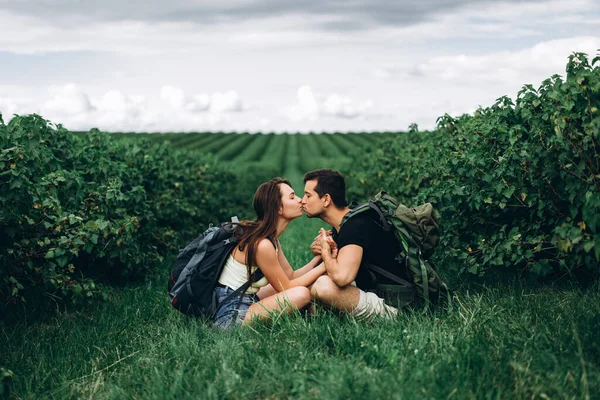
x=505 y=342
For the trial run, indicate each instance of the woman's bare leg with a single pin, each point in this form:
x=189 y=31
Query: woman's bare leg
x=266 y=291
x=269 y=290
x=286 y=301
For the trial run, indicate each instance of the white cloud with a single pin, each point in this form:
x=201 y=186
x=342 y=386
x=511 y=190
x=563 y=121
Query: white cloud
x=311 y=106
x=307 y=107
x=71 y=106
x=114 y=100
x=198 y=103
x=225 y=102
x=116 y=111
x=341 y=106
x=174 y=96
x=217 y=102
x=8 y=107
x=68 y=100
x=522 y=66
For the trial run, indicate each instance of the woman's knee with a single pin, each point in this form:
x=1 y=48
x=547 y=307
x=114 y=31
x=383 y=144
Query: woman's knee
x=323 y=287
x=300 y=295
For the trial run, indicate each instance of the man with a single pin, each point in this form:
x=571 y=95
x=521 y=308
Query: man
x=348 y=285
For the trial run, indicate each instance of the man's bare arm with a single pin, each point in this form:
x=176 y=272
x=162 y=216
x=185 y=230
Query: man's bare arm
x=341 y=269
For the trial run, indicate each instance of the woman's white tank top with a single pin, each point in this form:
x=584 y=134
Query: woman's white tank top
x=235 y=274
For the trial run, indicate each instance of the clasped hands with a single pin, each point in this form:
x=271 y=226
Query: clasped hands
x=324 y=244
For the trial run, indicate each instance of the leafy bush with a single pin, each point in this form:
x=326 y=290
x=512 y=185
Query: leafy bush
x=76 y=211
x=517 y=184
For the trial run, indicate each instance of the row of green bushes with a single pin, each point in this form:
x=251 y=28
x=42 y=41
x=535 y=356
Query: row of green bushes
x=80 y=210
x=517 y=184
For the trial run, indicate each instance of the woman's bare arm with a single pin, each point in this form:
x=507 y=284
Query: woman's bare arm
x=268 y=262
x=290 y=272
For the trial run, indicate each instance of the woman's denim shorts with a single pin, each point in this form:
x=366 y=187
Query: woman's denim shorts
x=229 y=313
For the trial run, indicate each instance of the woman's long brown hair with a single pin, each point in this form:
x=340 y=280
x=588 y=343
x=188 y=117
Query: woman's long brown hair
x=267 y=202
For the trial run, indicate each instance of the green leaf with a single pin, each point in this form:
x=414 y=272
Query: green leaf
x=558 y=131
x=587 y=246
x=102 y=224
x=458 y=190
x=49 y=255
x=508 y=191
x=62 y=261
x=541 y=268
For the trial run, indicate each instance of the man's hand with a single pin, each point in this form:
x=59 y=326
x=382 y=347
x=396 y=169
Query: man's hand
x=328 y=245
x=316 y=245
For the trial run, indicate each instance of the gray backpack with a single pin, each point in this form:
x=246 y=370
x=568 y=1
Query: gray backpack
x=197 y=269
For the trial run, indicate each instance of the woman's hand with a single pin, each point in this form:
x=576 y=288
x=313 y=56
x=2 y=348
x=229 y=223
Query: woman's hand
x=315 y=247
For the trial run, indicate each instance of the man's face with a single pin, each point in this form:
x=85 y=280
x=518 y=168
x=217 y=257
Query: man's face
x=312 y=204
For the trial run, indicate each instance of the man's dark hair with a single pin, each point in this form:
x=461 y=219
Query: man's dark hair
x=329 y=181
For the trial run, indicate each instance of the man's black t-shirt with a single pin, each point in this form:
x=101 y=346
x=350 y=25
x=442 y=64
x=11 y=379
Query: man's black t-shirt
x=379 y=248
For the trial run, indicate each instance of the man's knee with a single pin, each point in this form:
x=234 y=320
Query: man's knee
x=323 y=288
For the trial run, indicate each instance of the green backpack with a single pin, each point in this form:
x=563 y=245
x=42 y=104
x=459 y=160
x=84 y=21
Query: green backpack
x=418 y=230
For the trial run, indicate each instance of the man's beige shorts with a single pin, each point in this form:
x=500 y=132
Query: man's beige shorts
x=370 y=306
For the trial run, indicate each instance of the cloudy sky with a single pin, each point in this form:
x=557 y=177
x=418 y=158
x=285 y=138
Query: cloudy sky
x=279 y=65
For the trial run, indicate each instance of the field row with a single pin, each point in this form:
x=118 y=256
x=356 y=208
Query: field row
x=286 y=152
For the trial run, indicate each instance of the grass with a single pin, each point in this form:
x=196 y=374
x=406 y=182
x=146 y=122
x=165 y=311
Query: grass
x=496 y=343
x=503 y=342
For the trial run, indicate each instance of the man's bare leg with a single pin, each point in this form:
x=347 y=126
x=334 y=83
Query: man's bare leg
x=326 y=291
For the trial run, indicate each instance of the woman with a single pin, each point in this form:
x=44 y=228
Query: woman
x=281 y=289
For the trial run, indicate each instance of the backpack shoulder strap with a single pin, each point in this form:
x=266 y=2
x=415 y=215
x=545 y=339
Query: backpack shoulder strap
x=257 y=275
x=389 y=275
x=273 y=242
x=354 y=211
x=382 y=220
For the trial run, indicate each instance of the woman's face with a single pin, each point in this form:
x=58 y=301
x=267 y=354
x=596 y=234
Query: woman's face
x=291 y=205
